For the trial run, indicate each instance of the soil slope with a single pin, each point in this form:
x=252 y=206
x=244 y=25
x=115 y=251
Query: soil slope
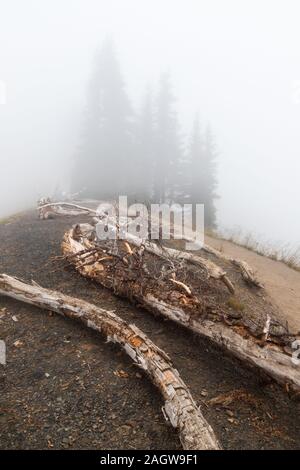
x=64 y=387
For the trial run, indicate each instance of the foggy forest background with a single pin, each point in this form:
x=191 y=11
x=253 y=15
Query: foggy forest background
x=179 y=68
x=141 y=153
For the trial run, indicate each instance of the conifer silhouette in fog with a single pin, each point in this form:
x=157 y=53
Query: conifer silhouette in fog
x=102 y=164
x=168 y=149
x=201 y=177
x=140 y=154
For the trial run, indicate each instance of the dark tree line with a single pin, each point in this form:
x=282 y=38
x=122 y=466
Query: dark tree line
x=141 y=154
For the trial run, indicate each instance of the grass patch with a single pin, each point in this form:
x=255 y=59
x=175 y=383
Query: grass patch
x=10 y=218
x=285 y=253
x=235 y=304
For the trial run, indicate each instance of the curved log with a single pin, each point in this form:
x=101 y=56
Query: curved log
x=187 y=310
x=246 y=271
x=210 y=267
x=48 y=209
x=180 y=408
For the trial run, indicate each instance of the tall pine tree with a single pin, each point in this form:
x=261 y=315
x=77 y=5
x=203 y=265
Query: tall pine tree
x=144 y=166
x=202 y=178
x=102 y=163
x=167 y=145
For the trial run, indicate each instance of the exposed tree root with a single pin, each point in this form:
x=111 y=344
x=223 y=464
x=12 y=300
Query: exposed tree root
x=212 y=269
x=246 y=271
x=48 y=209
x=180 y=408
x=149 y=280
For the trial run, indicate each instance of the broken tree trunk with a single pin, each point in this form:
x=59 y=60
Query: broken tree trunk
x=246 y=271
x=192 y=301
x=211 y=268
x=48 y=209
x=180 y=408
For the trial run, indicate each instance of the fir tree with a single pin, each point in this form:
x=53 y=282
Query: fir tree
x=103 y=160
x=202 y=179
x=167 y=148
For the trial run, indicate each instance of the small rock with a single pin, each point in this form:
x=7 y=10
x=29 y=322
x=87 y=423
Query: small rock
x=125 y=429
x=204 y=393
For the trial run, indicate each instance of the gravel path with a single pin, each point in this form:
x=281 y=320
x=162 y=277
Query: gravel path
x=64 y=387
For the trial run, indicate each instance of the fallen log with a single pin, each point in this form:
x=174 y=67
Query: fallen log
x=246 y=271
x=146 y=279
x=180 y=408
x=211 y=268
x=48 y=209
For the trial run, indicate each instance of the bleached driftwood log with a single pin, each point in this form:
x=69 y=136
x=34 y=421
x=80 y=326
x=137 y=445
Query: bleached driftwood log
x=205 y=317
x=48 y=209
x=211 y=268
x=180 y=408
x=246 y=271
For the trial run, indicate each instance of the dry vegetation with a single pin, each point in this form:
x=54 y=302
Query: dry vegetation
x=284 y=252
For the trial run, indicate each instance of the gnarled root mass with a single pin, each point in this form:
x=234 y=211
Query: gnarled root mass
x=180 y=408
x=184 y=293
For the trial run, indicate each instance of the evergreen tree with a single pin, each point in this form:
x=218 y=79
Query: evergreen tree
x=102 y=164
x=167 y=149
x=144 y=173
x=202 y=178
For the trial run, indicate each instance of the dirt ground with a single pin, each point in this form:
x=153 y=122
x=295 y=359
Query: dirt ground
x=281 y=282
x=61 y=388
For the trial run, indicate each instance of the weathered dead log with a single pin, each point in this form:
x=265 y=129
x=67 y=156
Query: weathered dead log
x=211 y=268
x=246 y=271
x=180 y=408
x=204 y=310
x=48 y=209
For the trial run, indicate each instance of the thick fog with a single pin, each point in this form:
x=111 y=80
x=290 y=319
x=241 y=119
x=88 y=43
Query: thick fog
x=235 y=63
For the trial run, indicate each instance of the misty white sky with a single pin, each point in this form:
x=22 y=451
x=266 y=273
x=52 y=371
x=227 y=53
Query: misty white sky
x=236 y=62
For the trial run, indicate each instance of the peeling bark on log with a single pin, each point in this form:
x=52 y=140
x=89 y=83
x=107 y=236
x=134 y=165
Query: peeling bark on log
x=180 y=408
x=48 y=209
x=246 y=271
x=202 y=315
x=212 y=269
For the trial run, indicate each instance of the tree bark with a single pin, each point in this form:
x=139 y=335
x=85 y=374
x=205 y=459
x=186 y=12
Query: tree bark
x=48 y=209
x=180 y=408
x=127 y=276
